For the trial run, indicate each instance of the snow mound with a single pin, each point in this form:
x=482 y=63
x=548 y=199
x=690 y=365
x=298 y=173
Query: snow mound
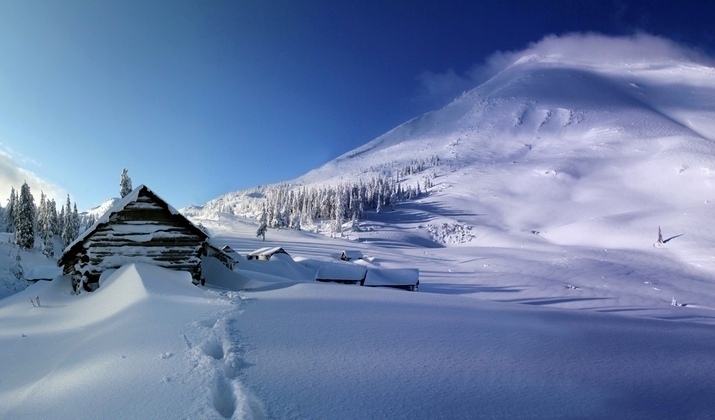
x=134 y=283
x=139 y=280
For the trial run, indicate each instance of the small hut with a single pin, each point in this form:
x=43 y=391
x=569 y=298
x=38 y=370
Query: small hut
x=351 y=255
x=225 y=254
x=399 y=278
x=266 y=253
x=141 y=227
x=341 y=273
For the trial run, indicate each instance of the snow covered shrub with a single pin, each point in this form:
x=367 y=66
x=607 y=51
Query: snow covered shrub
x=9 y=284
x=13 y=278
x=451 y=233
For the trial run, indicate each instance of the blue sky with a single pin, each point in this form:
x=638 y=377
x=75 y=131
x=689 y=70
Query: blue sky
x=200 y=98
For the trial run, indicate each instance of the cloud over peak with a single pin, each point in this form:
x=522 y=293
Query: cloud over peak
x=585 y=48
x=594 y=48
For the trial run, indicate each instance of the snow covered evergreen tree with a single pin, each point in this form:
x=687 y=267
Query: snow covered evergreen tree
x=125 y=183
x=75 y=222
x=70 y=225
x=48 y=244
x=17 y=269
x=10 y=222
x=45 y=228
x=42 y=215
x=25 y=219
x=60 y=225
x=262 y=224
x=339 y=213
x=91 y=220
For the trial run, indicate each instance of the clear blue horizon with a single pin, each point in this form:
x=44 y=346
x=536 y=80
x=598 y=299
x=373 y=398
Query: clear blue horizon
x=198 y=99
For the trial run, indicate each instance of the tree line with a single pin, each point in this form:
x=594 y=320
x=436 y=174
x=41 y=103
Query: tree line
x=37 y=226
x=287 y=205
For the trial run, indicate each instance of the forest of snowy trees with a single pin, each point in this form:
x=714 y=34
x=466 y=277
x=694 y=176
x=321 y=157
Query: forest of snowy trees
x=35 y=226
x=292 y=206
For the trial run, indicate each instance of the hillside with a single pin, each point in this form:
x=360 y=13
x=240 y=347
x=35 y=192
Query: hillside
x=548 y=154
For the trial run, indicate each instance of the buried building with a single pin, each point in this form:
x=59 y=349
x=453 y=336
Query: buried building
x=141 y=227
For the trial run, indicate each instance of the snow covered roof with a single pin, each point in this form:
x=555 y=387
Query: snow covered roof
x=121 y=205
x=351 y=254
x=340 y=272
x=267 y=251
x=392 y=277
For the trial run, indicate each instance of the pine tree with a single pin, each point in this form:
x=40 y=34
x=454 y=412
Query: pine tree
x=91 y=220
x=25 y=219
x=54 y=219
x=42 y=216
x=48 y=244
x=10 y=212
x=17 y=269
x=70 y=225
x=45 y=228
x=75 y=223
x=125 y=183
x=262 y=224
x=339 y=212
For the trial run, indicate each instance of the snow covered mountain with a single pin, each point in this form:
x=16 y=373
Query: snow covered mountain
x=559 y=162
x=99 y=210
x=555 y=147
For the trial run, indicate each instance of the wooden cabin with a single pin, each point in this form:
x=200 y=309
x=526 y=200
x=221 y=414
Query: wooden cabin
x=226 y=255
x=141 y=227
x=351 y=255
x=399 y=278
x=341 y=273
x=266 y=253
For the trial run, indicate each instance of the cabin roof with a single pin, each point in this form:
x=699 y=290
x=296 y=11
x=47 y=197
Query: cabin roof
x=340 y=272
x=267 y=251
x=393 y=277
x=121 y=205
x=352 y=254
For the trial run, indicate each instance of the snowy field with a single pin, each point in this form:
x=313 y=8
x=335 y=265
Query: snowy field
x=491 y=334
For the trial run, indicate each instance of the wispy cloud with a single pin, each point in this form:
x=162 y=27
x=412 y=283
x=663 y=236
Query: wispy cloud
x=587 y=48
x=13 y=175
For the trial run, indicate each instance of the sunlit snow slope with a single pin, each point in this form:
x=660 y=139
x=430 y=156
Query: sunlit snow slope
x=568 y=168
x=565 y=150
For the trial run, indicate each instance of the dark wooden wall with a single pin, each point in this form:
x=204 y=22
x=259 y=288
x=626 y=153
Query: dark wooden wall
x=144 y=231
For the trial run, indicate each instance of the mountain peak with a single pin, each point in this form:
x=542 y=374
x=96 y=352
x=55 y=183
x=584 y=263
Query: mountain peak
x=551 y=146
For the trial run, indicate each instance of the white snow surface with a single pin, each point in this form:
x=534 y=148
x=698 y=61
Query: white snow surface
x=257 y=343
x=543 y=292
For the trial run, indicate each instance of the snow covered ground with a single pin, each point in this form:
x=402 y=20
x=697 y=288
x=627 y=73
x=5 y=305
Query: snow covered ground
x=471 y=344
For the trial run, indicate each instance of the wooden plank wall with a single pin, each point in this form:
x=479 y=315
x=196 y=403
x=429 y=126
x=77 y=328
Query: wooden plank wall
x=142 y=232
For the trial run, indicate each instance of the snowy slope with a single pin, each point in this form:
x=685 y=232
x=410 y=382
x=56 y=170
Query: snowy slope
x=101 y=209
x=561 y=162
x=556 y=147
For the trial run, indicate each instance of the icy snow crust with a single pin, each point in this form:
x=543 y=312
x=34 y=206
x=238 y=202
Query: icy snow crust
x=559 y=306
